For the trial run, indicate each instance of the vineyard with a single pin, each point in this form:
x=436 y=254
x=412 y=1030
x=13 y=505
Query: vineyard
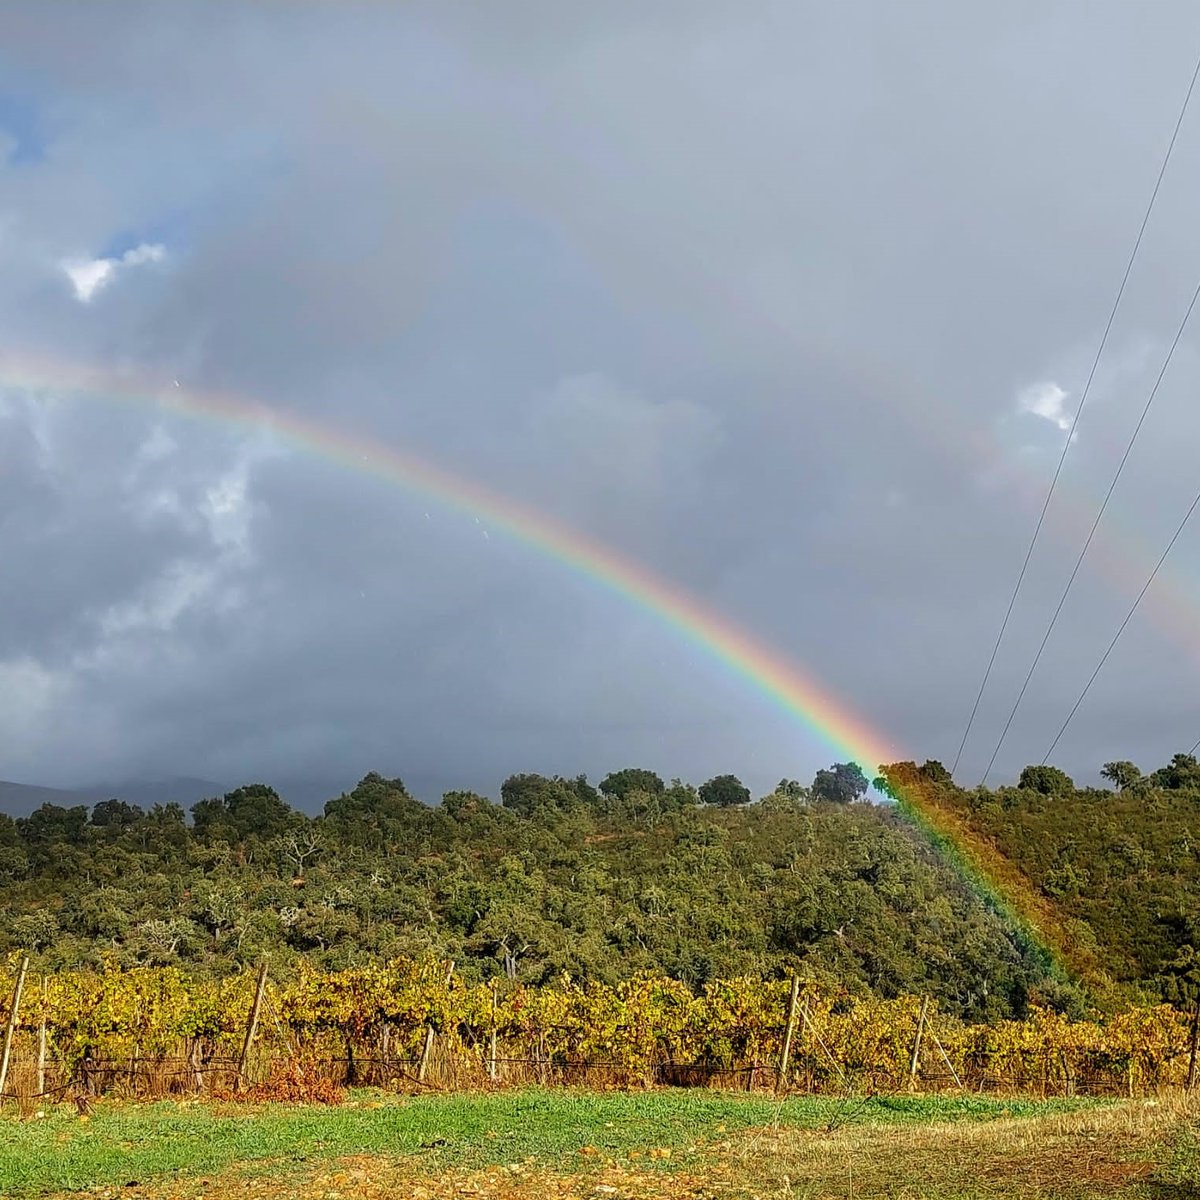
x=416 y=1025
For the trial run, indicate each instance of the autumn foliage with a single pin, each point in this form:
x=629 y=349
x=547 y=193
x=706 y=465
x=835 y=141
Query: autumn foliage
x=415 y=1024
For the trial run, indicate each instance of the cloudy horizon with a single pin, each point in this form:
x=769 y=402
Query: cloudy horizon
x=793 y=306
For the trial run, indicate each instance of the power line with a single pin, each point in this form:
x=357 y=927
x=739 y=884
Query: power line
x=1121 y=628
x=1037 y=658
x=1078 y=413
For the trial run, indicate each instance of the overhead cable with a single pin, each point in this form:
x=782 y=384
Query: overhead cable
x=1078 y=413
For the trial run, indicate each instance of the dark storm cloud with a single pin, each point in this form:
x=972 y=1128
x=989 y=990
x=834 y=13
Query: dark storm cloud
x=754 y=296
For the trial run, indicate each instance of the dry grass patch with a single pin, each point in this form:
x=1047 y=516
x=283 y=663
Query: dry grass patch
x=368 y=1177
x=1135 y=1149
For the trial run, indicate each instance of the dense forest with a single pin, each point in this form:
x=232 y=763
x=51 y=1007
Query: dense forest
x=633 y=875
x=1119 y=864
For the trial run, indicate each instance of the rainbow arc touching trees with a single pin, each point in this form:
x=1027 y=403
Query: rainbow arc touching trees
x=787 y=685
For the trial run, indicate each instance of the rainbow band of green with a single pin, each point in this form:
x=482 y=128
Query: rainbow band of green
x=1032 y=934
x=766 y=671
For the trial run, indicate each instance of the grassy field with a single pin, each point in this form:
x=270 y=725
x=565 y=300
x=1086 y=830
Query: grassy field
x=643 y=1145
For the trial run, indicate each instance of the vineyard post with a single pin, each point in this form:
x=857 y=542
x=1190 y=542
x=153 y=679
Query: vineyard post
x=252 y=1022
x=492 y=1039
x=946 y=1059
x=11 y=1028
x=915 y=1061
x=426 y=1051
x=803 y=1032
x=1191 y=1075
x=788 y=1033
x=196 y=1062
x=41 y=1058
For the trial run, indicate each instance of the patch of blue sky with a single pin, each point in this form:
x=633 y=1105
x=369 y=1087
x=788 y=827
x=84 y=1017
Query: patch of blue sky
x=22 y=128
x=170 y=230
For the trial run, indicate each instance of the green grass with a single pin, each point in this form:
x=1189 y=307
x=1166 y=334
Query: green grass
x=122 y=1143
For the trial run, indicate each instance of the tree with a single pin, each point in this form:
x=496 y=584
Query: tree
x=302 y=842
x=724 y=791
x=33 y=930
x=163 y=831
x=1049 y=781
x=461 y=805
x=115 y=814
x=51 y=824
x=1183 y=771
x=14 y=863
x=258 y=810
x=378 y=813
x=619 y=784
x=254 y=810
x=210 y=820
x=526 y=794
x=933 y=770
x=898 y=780
x=842 y=783
x=788 y=796
x=586 y=793
x=680 y=795
x=1121 y=775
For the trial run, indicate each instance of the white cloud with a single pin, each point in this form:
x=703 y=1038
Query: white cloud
x=180 y=588
x=1045 y=400
x=145 y=253
x=159 y=444
x=89 y=275
x=227 y=510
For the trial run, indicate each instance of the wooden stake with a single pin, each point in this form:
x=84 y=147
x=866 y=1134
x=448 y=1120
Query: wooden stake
x=427 y=1049
x=423 y=1065
x=11 y=1028
x=1068 y=1082
x=491 y=1069
x=802 y=1031
x=788 y=1033
x=946 y=1058
x=252 y=1023
x=196 y=1062
x=1191 y=1075
x=833 y=1062
x=41 y=1059
x=915 y=1061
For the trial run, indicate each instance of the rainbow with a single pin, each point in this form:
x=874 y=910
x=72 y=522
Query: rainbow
x=812 y=705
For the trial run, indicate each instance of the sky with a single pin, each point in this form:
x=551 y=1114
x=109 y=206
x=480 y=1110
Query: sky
x=791 y=303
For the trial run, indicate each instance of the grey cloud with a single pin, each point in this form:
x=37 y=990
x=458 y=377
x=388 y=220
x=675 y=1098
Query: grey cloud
x=750 y=296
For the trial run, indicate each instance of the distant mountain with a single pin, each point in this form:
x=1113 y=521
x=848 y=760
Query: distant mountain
x=306 y=794
x=146 y=793
x=20 y=799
